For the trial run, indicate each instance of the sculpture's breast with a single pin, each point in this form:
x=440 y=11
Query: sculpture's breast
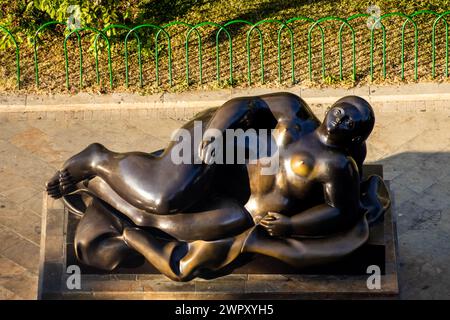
x=300 y=173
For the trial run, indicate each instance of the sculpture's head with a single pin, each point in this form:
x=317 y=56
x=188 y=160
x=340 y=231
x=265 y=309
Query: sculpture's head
x=349 y=120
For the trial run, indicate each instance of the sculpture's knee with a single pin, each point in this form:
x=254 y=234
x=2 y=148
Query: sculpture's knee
x=165 y=203
x=98 y=238
x=97 y=151
x=91 y=156
x=104 y=254
x=95 y=147
x=161 y=206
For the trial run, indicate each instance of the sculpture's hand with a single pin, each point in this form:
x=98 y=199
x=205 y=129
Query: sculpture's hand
x=277 y=225
x=206 y=152
x=207 y=148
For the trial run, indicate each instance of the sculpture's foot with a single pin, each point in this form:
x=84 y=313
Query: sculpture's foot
x=78 y=168
x=60 y=184
x=374 y=198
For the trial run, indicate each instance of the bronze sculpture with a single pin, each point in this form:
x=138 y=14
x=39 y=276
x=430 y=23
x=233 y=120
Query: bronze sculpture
x=195 y=219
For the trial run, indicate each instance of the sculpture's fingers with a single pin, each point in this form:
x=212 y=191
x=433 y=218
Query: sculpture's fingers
x=204 y=151
x=208 y=156
x=201 y=152
x=268 y=220
x=266 y=224
x=273 y=215
x=263 y=222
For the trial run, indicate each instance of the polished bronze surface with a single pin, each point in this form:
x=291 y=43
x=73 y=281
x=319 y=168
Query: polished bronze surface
x=196 y=219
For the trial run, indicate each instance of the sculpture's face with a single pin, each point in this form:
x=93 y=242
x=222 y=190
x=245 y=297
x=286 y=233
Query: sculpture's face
x=343 y=123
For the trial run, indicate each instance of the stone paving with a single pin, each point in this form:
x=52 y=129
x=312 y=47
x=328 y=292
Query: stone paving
x=413 y=147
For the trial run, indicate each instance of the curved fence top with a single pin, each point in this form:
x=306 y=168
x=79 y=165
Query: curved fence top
x=309 y=23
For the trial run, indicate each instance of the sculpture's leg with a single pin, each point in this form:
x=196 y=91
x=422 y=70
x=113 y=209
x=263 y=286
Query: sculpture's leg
x=148 y=182
x=182 y=261
x=211 y=256
x=103 y=239
x=214 y=218
x=98 y=239
x=300 y=252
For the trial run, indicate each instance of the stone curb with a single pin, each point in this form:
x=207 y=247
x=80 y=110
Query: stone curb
x=419 y=97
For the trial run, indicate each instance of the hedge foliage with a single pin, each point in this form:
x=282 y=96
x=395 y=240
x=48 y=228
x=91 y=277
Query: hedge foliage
x=23 y=17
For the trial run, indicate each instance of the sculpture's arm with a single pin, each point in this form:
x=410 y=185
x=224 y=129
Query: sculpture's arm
x=340 y=210
x=287 y=106
x=281 y=106
x=286 y=112
x=358 y=152
x=237 y=113
x=293 y=116
x=341 y=207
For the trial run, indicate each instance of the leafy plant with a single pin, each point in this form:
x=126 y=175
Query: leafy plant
x=23 y=17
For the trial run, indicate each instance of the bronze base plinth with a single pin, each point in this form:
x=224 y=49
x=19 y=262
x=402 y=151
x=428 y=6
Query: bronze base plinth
x=258 y=277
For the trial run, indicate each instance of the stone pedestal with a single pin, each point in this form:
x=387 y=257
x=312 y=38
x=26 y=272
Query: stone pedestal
x=262 y=278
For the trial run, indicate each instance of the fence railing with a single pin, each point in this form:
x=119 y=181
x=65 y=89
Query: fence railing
x=345 y=24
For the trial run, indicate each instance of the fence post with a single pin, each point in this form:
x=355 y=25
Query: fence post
x=169 y=51
x=434 y=43
x=17 y=54
x=81 y=55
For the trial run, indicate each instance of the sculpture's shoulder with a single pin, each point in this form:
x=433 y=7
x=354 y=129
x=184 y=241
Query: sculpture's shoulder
x=204 y=115
x=335 y=164
x=286 y=105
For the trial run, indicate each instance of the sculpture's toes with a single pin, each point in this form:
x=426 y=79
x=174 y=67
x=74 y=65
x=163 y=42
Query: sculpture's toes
x=53 y=187
x=60 y=184
x=66 y=182
x=54 y=193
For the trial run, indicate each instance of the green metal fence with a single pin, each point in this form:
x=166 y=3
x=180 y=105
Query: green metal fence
x=283 y=29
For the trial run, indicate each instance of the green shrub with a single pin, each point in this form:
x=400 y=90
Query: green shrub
x=23 y=17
